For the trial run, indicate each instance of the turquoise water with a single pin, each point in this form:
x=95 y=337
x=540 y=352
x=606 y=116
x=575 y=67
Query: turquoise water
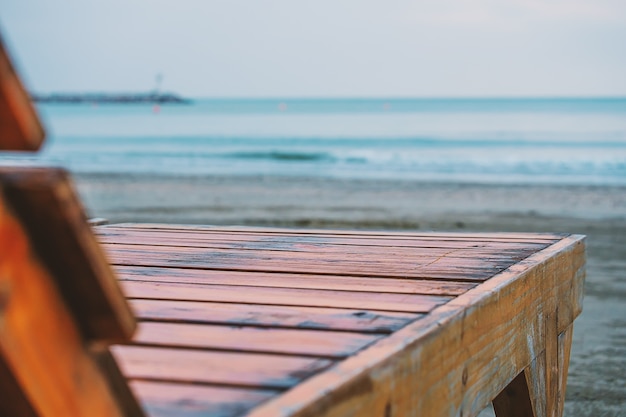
x=555 y=141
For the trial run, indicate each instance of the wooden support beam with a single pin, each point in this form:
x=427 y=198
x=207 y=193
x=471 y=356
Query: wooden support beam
x=539 y=391
x=564 y=348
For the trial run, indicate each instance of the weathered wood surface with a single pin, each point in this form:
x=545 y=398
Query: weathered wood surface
x=290 y=280
x=475 y=238
x=410 y=303
x=20 y=129
x=164 y=399
x=317 y=343
x=341 y=323
x=394 y=265
x=264 y=316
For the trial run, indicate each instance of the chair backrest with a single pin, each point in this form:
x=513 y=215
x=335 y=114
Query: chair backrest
x=60 y=304
x=20 y=129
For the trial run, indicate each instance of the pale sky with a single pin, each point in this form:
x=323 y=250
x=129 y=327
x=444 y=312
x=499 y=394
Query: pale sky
x=322 y=48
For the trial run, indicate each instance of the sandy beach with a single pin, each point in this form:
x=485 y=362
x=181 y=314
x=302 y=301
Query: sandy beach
x=597 y=381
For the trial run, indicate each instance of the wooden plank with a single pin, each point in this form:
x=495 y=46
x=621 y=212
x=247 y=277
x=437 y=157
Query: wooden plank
x=20 y=129
x=474 y=346
x=253 y=339
x=412 y=257
x=278 y=241
x=39 y=340
x=46 y=204
x=319 y=250
x=216 y=368
x=474 y=236
x=357 y=320
x=410 y=303
x=186 y=400
x=285 y=280
x=427 y=268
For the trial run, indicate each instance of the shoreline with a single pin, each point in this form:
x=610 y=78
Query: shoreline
x=361 y=203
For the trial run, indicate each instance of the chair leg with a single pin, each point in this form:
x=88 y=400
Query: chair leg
x=558 y=348
x=564 y=348
x=539 y=391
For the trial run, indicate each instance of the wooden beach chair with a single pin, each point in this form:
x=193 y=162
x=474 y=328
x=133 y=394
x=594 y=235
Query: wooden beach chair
x=268 y=322
x=60 y=304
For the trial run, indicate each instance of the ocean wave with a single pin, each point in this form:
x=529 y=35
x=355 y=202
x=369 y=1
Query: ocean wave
x=283 y=156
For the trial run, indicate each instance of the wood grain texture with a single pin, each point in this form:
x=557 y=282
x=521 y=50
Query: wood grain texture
x=535 y=375
x=40 y=344
x=428 y=267
x=287 y=280
x=546 y=376
x=320 y=244
x=20 y=129
x=551 y=363
x=295 y=317
x=457 y=319
x=564 y=349
x=278 y=241
x=410 y=235
x=300 y=342
x=410 y=303
x=46 y=204
x=186 y=400
x=216 y=368
x=474 y=346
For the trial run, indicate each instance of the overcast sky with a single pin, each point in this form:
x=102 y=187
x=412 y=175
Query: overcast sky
x=322 y=48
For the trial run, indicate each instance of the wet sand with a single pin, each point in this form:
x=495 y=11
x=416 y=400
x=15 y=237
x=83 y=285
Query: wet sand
x=597 y=379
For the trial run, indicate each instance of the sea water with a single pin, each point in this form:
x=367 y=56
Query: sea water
x=530 y=141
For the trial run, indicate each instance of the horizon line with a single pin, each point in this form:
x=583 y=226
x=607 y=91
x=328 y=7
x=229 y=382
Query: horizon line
x=338 y=97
